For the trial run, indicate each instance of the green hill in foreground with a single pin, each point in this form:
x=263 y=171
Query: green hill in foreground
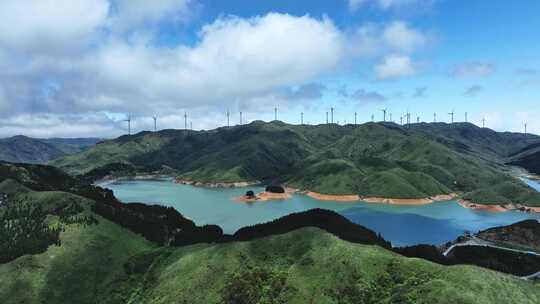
x=373 y=159
x=90 y=259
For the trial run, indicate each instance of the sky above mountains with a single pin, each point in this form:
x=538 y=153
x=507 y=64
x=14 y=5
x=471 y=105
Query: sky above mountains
x=77 y=68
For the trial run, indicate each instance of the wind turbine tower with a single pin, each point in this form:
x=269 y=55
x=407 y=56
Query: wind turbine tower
x=228 y=117
x=525 y=124
x=417 y=119
x=390 y=117
x=355 y=118
x=372 y=118
x=301 y=118
x=434 y=117
x=331 y=115
x=155 y=123
x=466 y=118
x=452 y=116
x=240 y=117
x=401 y=119
x=483 y=122
x=384 y=115
x=128 y=120
x=275 y=113
x=185 y=121
x=326 y=117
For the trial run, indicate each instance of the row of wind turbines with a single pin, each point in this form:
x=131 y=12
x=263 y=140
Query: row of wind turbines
x=406 y=117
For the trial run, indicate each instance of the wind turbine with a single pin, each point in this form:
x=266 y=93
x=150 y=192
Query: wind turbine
x=401 y=119
x=483 y=122
x=355 y=118
x=384 y=114
x=185 y=121
x=434 y=117
x=372 y=118
x=466 y=120
x=240 y=117
x=326 y=117
x=408 y=118
x=417 y=119
x=390 y=117
x=191 y=125
x=525 y=124
x=228 y=116
x=155 y=123
x=331 y=115
x=275 y=113
x=452 y=116
x=301 y=118
x=129 y=123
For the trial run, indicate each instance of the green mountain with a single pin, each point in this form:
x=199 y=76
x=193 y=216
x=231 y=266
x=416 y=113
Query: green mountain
x=31 y=150
x=468 y=137
x=57 y=249
x=373 y=159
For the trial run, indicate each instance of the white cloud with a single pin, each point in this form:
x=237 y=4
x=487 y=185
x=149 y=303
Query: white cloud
x=393 y=67
x=396 y=37
x=49 y=24
x=64 y=63
x=473 y=70
x=399 y=36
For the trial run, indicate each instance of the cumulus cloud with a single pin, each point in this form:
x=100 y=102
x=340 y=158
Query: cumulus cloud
x=394 y=37
x=399 y=36
x=77 y=59
x=394 y=67
x=49 y=25
x=473 y=70
x=473 y=90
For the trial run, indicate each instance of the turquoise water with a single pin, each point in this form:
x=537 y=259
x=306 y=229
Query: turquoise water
x=402 y=225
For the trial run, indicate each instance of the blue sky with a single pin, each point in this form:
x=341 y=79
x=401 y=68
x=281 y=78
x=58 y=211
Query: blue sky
x=77 y=68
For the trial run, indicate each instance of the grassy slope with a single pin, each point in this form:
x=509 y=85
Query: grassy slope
x=310 y=264
x=318 y=266
x=86 y=268
x=371 y=159
x=104 y=263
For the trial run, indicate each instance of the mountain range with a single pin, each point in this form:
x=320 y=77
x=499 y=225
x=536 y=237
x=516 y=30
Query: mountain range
x=371 y=160
x=25 y=149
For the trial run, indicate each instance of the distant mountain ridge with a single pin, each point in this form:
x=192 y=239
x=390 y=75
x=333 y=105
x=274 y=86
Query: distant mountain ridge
x=25 y=149
x=372 y=159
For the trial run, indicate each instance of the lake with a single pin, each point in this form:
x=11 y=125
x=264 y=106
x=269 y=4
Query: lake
x=436 y=223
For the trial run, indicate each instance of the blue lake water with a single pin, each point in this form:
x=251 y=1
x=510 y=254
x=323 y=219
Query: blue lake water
x=402 y=225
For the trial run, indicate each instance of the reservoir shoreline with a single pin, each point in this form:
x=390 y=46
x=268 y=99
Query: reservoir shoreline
x=266 y=196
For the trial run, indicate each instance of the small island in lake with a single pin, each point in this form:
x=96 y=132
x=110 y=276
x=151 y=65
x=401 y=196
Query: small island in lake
x=272 y=192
